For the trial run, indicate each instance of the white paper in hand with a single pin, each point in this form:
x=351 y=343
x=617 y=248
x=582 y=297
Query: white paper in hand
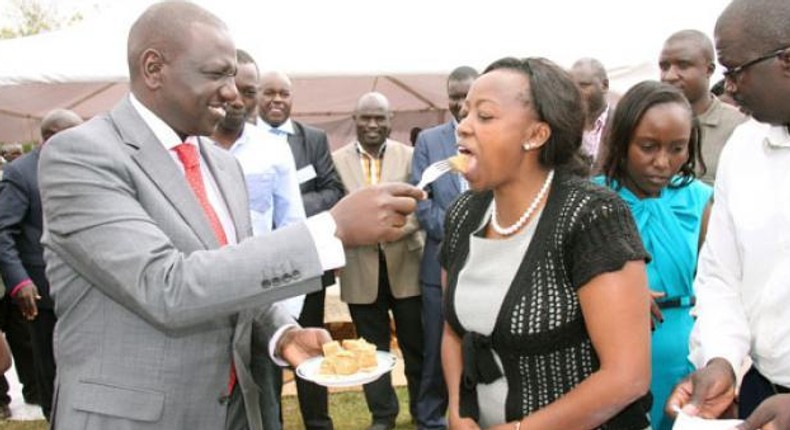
x=686 y=422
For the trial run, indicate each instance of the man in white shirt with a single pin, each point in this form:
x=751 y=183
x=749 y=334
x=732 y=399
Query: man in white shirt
x=743 y=278
x=321 y=189
x=274 y=200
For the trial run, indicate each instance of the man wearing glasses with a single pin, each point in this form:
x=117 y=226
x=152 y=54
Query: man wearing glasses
x=743 y=277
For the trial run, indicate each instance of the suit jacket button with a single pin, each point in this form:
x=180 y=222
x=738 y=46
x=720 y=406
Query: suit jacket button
x=266 y=284
x=287 y=278
x=276 y=281
x=296 y=275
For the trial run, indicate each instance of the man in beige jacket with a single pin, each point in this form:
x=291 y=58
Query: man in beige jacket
x=384 y=277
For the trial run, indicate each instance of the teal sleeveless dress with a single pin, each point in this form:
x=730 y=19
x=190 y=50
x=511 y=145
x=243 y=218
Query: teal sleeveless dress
x=670 y=227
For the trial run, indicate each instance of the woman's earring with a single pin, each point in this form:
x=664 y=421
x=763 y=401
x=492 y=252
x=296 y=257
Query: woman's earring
x=529 y=146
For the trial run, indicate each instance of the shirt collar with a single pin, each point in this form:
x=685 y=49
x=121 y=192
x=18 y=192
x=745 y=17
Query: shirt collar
x=361 y=150
x=163 y=132
x=287 y=126
x=712 y=115
x=601 y=120
x=778 y=137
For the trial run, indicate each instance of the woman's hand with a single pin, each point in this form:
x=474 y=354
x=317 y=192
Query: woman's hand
x=655 y=311
x=458 y=423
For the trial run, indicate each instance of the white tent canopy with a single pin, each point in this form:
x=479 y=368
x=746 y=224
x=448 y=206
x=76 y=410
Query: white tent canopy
x=335 y=51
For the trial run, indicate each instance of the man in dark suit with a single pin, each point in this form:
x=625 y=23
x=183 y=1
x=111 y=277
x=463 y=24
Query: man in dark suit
x=321 y=188
x=434 y=144
x=21 y=254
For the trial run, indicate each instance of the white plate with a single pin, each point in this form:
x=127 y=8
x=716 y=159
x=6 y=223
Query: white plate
x=309 y=370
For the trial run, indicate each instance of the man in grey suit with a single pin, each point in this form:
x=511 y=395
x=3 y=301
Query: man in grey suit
x=434 y=144
x=155 y=315
x=321 y=188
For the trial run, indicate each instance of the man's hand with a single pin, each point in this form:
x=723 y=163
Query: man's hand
x=375 y=214
x=772 y=414
x=26 y=299
x=298 y=344
x=707 y=393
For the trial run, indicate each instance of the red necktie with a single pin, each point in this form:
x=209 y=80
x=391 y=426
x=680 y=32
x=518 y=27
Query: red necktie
x=189 y=158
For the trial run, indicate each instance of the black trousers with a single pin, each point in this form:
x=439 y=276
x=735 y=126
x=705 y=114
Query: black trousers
x=17 y=332
x=372 y=322
x=754 y=389
x=41 y=331
x=432 y=405
x=313 y=398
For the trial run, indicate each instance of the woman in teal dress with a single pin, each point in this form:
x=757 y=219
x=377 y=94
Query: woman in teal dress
x=652 y=153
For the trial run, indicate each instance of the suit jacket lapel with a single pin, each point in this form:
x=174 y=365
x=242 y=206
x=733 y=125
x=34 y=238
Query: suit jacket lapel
x=352 y=165
x=227 y=187
x=390 y=162
x=449 y=149
x=156 y=162
x=296 y=141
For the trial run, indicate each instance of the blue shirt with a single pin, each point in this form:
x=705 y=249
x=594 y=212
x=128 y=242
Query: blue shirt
x=270 y=172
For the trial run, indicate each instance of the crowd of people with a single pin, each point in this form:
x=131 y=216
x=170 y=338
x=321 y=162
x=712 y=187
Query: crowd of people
x=597 y=263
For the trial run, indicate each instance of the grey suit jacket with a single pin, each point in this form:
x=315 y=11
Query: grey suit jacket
x=434 y=144
x=150 y=311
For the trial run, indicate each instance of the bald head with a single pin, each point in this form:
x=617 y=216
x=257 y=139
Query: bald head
x=373 y=119
x=761 y=24
x=11 y=151
x=695 y=39
x=590 y=76
x=275 y=75
x=373 y=100
x=593 y=66
x=165 y=27
x=56 y=121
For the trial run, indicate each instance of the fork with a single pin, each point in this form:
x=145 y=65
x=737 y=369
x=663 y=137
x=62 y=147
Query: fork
x=433 y=172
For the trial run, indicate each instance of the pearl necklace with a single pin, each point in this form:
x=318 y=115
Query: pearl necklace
x=507 y=231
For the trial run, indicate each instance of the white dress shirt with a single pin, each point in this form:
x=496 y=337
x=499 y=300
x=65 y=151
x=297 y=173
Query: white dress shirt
x=275 y=199
x=281 y=132
x=743 y=277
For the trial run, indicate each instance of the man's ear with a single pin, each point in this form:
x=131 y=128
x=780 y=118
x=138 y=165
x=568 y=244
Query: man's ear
x=152 y=62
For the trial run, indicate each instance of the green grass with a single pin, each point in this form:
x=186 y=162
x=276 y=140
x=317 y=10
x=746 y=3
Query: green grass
x=348 y=410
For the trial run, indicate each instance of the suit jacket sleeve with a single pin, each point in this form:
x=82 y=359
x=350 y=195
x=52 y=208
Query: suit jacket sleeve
x=14 y=204
x=429 y=214
x=92 y=195
x=329 y=187
x=266 y=323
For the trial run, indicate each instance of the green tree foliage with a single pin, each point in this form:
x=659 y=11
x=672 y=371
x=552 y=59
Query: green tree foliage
x=32 y=17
